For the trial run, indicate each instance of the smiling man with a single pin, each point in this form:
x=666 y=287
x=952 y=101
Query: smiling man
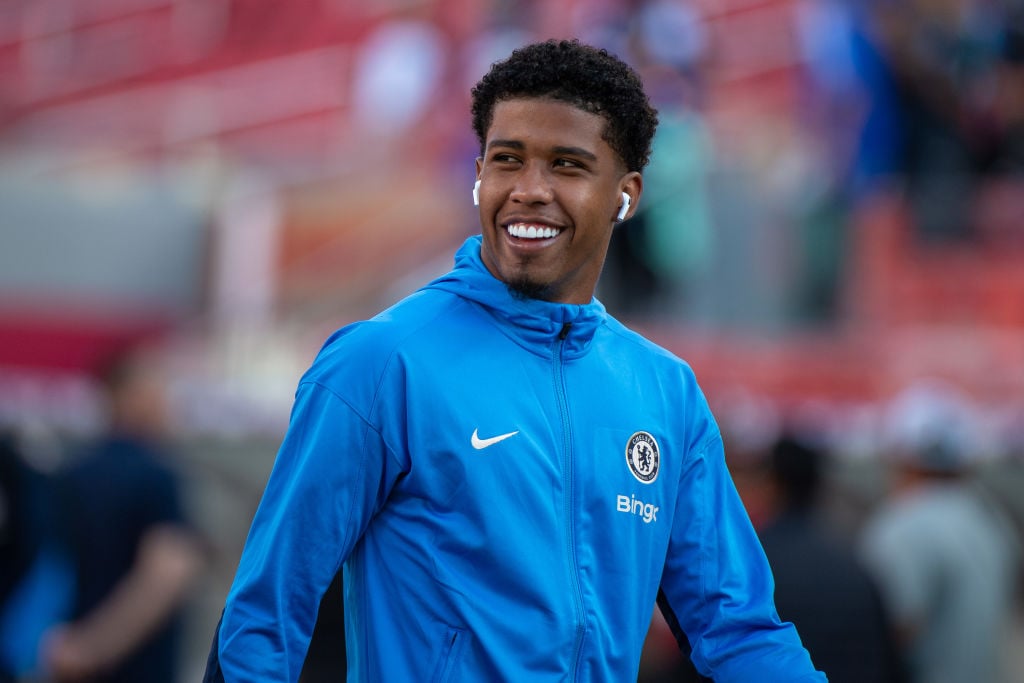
x=511 y=478
x=551 y=187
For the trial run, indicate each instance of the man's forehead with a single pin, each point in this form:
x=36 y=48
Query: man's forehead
x=564 y=124
x=545 y=101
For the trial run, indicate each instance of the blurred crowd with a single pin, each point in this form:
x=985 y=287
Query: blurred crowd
x=99 y=555
x=916 y=101
x=902 y=564
x=914 y=576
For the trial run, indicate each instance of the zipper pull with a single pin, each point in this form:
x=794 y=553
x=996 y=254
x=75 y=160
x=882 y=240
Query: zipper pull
x=565 y=331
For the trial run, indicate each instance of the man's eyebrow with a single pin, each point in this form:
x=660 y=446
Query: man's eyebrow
x=576 y=152
x=570 y=151
x=514 y=144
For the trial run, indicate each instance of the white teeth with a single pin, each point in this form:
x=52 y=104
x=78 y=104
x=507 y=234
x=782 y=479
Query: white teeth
x=530 y=232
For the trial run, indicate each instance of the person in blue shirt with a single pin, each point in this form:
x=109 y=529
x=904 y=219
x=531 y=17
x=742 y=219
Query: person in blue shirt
x=509 y=477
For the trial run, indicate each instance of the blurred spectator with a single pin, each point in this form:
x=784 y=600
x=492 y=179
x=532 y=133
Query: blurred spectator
x=134 y=555
x=1009 y=98
x=820 y=584
x=660 y=261
x=835 y=99
x=34 y=577
x=943 y=551
x=940 y=59
x=832 y=108
x=399 y=73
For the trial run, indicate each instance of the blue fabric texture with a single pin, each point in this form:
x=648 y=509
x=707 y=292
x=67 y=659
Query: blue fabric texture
x=508 y=483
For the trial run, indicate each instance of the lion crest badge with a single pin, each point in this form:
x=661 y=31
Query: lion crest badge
x=643 y=457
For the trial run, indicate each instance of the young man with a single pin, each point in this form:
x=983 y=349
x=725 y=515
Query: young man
x=509 y=476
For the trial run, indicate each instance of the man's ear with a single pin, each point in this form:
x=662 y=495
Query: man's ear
x=631 y=187
x=476 y=185
x=623 y=208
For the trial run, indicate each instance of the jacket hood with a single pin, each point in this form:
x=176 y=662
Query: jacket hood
x=534 y=323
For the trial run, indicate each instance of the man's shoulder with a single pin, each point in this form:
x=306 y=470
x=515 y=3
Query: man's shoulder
x=643 y=344
x=370 y=344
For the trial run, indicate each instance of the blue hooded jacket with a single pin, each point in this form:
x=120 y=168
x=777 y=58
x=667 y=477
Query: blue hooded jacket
x=510 y=484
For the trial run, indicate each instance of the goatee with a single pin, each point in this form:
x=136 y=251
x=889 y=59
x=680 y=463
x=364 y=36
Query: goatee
x=524 y=288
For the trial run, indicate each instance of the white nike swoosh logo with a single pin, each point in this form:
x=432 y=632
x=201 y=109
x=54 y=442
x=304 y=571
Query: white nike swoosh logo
x=480 y=444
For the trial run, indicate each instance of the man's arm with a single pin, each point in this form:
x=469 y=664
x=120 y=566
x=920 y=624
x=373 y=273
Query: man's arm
x=169 y=558
x=717 y=589
x=331 y=475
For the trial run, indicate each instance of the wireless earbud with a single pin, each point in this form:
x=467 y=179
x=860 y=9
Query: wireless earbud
x=476 y=193
x=626 y=201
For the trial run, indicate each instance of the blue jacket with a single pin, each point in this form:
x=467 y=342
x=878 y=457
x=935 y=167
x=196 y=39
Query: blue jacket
x=510 y=485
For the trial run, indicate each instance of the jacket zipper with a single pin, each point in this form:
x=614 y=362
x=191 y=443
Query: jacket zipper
x=569 y=510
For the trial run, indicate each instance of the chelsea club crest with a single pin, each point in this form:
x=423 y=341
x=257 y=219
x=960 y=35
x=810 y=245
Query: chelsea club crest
x=643 y=457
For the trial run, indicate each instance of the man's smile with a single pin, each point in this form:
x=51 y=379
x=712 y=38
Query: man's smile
x=531 y=231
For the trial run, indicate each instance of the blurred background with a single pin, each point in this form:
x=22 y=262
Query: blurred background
x=833 y=217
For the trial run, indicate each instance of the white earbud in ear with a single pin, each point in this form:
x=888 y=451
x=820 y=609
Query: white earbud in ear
x=476 y=193
x=626 y=201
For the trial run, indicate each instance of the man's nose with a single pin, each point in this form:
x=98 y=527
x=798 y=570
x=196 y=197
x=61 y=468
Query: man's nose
x=533 y=185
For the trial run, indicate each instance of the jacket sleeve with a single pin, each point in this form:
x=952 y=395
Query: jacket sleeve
x=331 y=475
x=717 y=589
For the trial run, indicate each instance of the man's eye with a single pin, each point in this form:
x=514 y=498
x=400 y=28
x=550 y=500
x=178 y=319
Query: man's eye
x=566 y=163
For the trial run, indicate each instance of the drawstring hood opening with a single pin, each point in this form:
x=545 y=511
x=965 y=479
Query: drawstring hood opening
x=533 y=323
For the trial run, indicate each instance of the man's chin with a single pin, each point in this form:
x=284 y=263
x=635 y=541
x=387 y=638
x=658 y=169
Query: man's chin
x=526 y=288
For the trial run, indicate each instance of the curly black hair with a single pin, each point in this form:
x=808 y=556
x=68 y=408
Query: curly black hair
x=584 y=76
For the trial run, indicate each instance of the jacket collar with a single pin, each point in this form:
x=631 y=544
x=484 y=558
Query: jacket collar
x=532 y=323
